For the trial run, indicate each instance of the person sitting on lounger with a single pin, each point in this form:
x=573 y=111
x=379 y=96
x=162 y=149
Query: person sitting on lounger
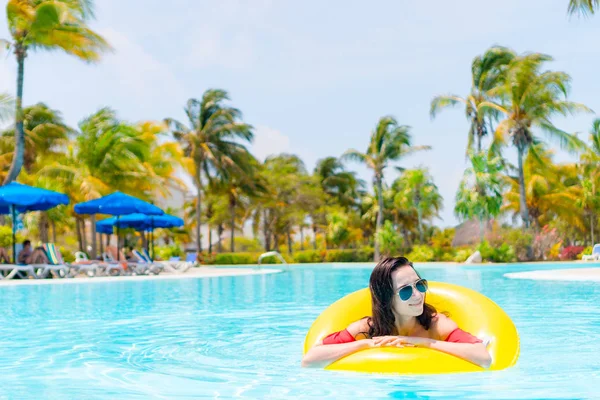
x=27 y=256
x=4 y=257
x=24 y=256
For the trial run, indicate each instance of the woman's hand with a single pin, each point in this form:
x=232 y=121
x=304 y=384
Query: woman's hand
x=401 y=341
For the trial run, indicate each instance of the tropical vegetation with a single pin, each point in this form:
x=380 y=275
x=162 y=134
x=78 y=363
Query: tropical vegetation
x=242 y=206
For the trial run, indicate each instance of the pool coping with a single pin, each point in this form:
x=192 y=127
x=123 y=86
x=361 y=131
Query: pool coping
x=573 y=274
x=194 y=273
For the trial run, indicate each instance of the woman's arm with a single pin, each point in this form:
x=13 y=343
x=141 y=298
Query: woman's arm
x=321 y=355
x=474 y=352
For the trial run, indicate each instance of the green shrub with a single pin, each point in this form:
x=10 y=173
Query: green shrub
x=365 y=254
x=501 y=253
x=6 y=237
x=504 y=254
x=520 y=241
x=462 y=255
x=448 y=256
x=486 y=250
x=340 y=256
x=67 y=255
x=390 y=241
x=244 y=245
x=166 y=252
x=350 y=255
x=421 y=253
x=309 y=256
x=586 y=252
x=236 y=258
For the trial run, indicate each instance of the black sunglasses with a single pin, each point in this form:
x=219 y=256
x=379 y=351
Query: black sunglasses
x=406 y=291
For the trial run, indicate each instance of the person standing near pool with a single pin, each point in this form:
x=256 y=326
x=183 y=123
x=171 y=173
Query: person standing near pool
x=400 y=317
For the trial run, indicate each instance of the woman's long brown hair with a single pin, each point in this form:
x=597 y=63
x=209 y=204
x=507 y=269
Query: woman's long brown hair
x=382 y=320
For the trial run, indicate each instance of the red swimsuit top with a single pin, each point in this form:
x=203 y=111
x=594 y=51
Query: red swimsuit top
x=456 y=336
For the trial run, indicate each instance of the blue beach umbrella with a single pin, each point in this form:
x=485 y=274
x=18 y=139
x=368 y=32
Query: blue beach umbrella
x=118 y=204
x=140 y=222
x=18 y=198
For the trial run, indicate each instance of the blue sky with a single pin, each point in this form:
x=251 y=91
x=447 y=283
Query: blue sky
x=313 y=77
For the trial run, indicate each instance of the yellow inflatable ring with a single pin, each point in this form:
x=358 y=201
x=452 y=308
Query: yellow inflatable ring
x=472 y=311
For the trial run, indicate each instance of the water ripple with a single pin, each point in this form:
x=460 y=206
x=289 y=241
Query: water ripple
x=242 y=337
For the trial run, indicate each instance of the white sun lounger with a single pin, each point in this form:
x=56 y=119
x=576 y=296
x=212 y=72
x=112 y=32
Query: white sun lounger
x=595 y=256
x=22 y=271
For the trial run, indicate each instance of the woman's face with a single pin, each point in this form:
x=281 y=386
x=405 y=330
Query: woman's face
x=413 y=306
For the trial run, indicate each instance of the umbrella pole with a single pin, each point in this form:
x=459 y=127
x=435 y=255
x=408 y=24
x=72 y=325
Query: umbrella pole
x=152 y=235
x=118 y=241
x=14 y=233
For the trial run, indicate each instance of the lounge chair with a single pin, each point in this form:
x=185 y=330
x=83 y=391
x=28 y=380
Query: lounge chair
x=145 y=260
x=595 y=256
x=55 y=265
x=175 y=265
x=111 y=265
x=21 y=271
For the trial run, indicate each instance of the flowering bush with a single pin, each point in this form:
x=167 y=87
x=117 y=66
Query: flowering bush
x=544 y=242
x=571 y=252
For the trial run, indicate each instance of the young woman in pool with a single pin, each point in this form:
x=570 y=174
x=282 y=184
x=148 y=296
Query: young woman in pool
x=400 y=317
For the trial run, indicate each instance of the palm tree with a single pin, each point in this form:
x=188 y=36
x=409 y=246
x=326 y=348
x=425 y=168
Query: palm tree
x=210 y=140
x=589 y=176
x=341 y=186
x=486 y=74
x=389 y=142
x=46 y=136
x=107 y=155
x=241 y=186
x=480 y=191
x=415 y=190
x=48 y=25
x=583 y=7
x=6 y=105
x=552 y=190
x=529 y=98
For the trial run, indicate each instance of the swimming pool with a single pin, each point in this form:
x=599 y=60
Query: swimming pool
x=242 y=337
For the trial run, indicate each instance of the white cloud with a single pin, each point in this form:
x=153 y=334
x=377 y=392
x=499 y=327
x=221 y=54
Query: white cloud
x=268 y=141
x=8 y=74
x=141 y=75
x=226 y=36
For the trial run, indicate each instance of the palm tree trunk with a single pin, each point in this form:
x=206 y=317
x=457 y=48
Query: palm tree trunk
x=266 y=232
x=592 y=226
x=198 y=214
x=378 y=180
x=420 y=223
x=302 y=238
x=220 y=233
x=53 y=225
x=79 y=238
x=406 y=236
x=232 y=215
x=481 y=230
x=44 y=227
x=101 y=244
x=84 y=235
x=289 y=239
x=209 y=240
x=144 y=240
x=19 y=153
x=94 y=242
x=314 y=228
x=522 y=198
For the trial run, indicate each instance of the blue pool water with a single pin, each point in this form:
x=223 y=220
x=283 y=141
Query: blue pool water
x=242 y=337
